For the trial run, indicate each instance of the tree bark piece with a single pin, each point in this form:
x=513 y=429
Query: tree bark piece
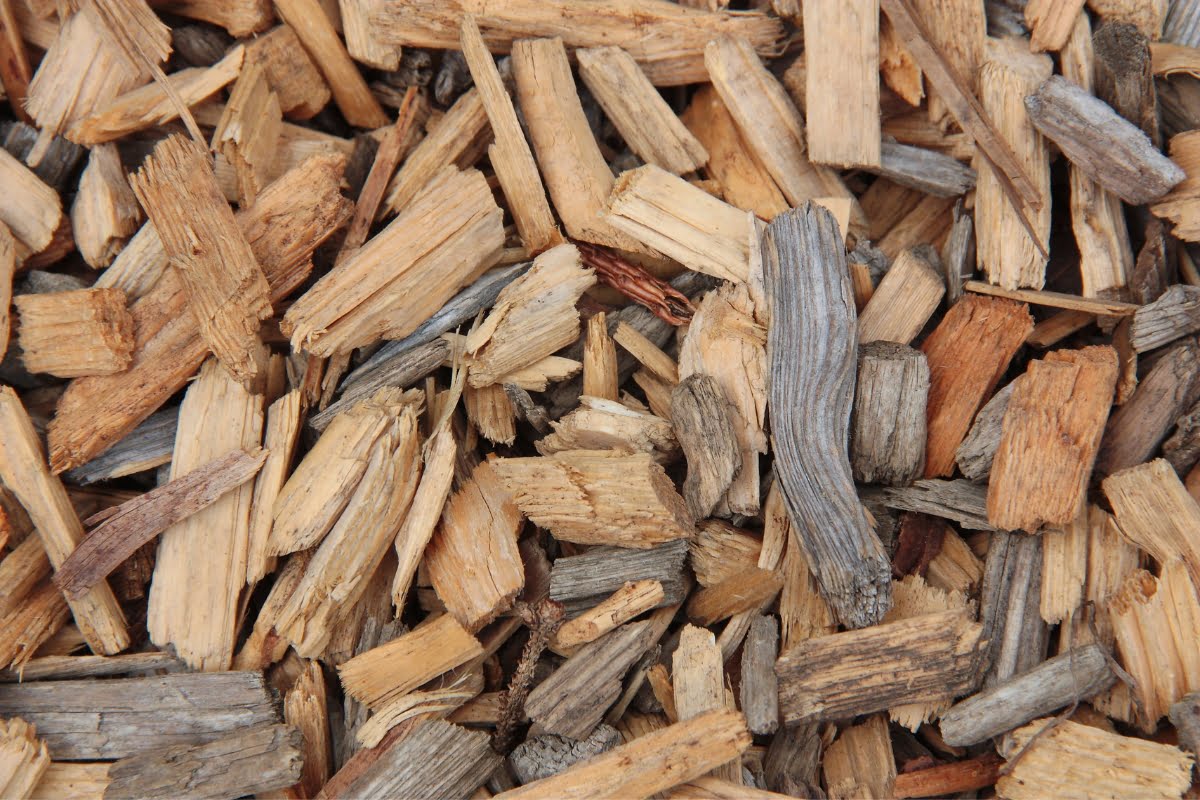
x=701 y=418
x=672 y=57
x=1111 y=151
x=759 y=694
x=649 y=764
x=75 y=333
x=543 y=756
x=1067 y=678
x=89 y=720
x=581 y=582
x=811 y=350
x=839 y=676
x=252 y=761
x=1124 y=76
x=1051 y=434
x=968 y=353
x=23 y=470
x=127 y=527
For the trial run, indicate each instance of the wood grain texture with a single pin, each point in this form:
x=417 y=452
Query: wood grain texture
x=811 y=351
x=904 y=300
x=842 y=84
x=75 y=333
x=702 y=420
x=1173 y=315
x=888 y=433
x=582 y=581
x=974 y=456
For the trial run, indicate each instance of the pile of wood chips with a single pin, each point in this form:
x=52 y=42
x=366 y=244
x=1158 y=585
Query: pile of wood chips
x=621 y=398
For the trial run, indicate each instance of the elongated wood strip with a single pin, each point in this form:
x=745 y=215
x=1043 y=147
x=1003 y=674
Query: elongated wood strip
x=631 y=600
x=703 y=422
x=62 y=667
x=946 y=779
x=150 y=105
x=23 y=470
x=427 y=506
x=89 y=720
x=746 y=590
x=649 y=764
x=811 y=349
x=674 y=56
x=284 y=419
x=1176 y=313
x=15 y=73
x=925 y=170
x=1036 y=477
x=583 y=581
x=510 y=155
x=842 y=89
x=640 y=114
x=1099 y=306
x=1121 y=158
x=8 y=268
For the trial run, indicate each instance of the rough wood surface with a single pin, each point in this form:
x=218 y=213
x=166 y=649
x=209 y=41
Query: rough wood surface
x=23 y=758
x=701 y=418
x=105 y=212
x=63 y=667
x=582 y=581
x=1110 y=150
x=958 y=500
x=248 y=132
x=903 y=301
x=842 y=86
x=75 y=333
x=759 y=694
x=860 y=762
x=1010 y=606
x=925 y=170
x=1050 y=22
x=974 y=456
x=1072 y=676
x=887 y=440
x=542 y=756
x=30 y=209
x=254 y=760
x=91 y=720
x=1173 y=315
x=1124 y=77
x=1155 y=511
x=600 y=377
x=811 y=348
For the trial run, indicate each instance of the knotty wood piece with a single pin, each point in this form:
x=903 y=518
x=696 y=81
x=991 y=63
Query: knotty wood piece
x=225 y=285
x=1051 y=22
x=23 y=470
x=1155 y=512
x=510 y=155
x=1037 y=478
x=1176 y=313
x=682 y=221
x=89 y=720
x=256 y=760
x=672 y=57
x=582 y=581
x=152 y=104
x=838 y=676
x=887 y=438
x=1137 y=428
x=811 y=350
x=860 y=762
x=1009 y=254
x=702 y=420
x=472 y=559
x=842 y=82
x=135 y=522
x=75 y=333
x=1062 y=680
x=445 y=239
x=575 y=172
x=294 y=78
x=759 y=692
x=648 y=764
x=401 y=665
x=1010 y=606
x=974 y=456
x=925 y=170
x=598 y=497
x=30 y=209
x=638 y=111
x=201 y=561
x=1120 y=158
x=968 y=352
x=248 y=132
x=534 y=317
x=745 y=183
x=105 y=212
x=767 y=119
x=903 y=301
x=350 y=92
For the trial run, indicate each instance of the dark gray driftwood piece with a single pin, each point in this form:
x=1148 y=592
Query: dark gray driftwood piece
x=887 y=441
x=811 y=350
x=957 y=500
x=958 y=253
x=110 y=719
x=924 y=170
x=572 y=701
x=1107 y=148
x=438 y=759
x=63 y=667
x=580 y=582
x=542 y=756
x=975 y=454
x=1013 y=628
x=701 y=417
x=147 y=446
x=1136 y=429
x=760 y=688
x=1174 y=314
x=793 y=760
x=1182 y=449
x=565 y=396
x=1057 y=682
x=403 y=369
x=57 y=166
x=1185 y=716
x=251 y=761
x=1123 y=75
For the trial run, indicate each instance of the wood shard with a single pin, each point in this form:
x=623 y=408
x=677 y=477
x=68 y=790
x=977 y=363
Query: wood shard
x=703 y=424
x=248 y=133
x=105 y=212
x=598 y=497
x=903 y=301
x=887 y=439
x=1051 y=434
x=860 y=763
x=842 y=90
x=1155 y=511
x=29 y=208
x=811 y=348
x=23 y=758
x=75 y=333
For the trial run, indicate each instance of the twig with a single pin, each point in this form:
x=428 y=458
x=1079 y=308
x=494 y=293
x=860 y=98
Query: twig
x=543 y=619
